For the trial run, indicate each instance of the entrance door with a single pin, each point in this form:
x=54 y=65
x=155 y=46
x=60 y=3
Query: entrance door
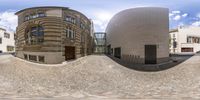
x=150 y=54
x=69 y=52
x=117 y=53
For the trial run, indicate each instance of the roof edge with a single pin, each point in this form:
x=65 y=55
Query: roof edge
x=41 y=7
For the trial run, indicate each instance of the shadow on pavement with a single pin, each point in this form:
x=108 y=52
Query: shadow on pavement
x=174 y=61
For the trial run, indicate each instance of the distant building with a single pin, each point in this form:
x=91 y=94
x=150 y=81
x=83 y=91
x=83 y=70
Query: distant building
x=7 y=42
x=185 y=40
x=52 y=34
x=100 y=43
x=139 y=35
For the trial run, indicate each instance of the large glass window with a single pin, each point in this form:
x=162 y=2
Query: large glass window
x=34 y=35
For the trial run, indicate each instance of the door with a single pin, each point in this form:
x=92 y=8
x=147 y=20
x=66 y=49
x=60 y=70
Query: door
x=117 y=53
x=150 y=54
x=109 y=49
x=69 y=52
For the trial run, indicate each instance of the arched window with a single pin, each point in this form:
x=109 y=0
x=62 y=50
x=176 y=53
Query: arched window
x=34 y=35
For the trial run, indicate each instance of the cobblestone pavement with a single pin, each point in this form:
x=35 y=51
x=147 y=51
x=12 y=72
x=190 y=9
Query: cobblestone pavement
x=96 y=78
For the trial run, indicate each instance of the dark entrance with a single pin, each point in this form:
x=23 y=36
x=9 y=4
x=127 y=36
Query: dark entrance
x=117 y=53
x=150 y=54
x=109 y=49
x=69 y=52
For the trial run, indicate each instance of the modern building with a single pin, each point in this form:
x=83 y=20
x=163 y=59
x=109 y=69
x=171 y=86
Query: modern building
x=185 y=40
x=139 y=35
x=100 y=42
x=7 y=42
x=52 y=34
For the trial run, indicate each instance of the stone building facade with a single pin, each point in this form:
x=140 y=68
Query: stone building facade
x=52 y=34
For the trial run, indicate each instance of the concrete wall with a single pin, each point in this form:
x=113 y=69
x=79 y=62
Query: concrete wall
x=132 y=29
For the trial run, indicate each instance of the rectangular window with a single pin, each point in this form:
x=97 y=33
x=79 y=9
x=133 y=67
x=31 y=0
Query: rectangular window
x=32 y=57
x=41 y=58
x=186 y=49
x=6 y=35
x=10 y=48
x=41 y=14
x=70 y=19
x=26 y=18
x=70 y=33
x=25 y=56
x=0 y=40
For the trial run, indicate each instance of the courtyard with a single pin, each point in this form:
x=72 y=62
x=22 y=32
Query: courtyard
x=96 y=77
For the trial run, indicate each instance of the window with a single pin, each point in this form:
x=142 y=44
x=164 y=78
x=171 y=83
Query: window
x=193 y=39
x=70 y=33
x=6 y=35
x=10 y=48
x=32 y=57
x=82 y=26
x=41 y=14
x=25 y=56
x=26 y=18
x=0 y=40
x=34 y=35
x=32 y=16
x=70 y=19
x=41 y=58
x=186 y=49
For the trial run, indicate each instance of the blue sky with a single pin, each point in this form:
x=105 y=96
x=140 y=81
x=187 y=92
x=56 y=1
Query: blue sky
x=182 y=12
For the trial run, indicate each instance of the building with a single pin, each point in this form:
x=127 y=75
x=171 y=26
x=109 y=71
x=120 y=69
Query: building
x=185 y=40
x=139 y=35
x=7 y=42
x=100 y=42
x=52 y=34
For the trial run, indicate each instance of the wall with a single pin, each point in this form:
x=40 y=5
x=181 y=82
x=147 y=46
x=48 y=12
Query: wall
x=6 y=41
x=133 y=28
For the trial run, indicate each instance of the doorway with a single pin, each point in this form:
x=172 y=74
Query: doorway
x=69 y=52
x=150 y=54
x=117 y=52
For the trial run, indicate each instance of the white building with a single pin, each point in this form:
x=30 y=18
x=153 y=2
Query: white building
x=185 y=40
x=7 y=42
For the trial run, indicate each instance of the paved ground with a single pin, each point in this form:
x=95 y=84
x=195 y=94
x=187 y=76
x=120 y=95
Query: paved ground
x=97 y=78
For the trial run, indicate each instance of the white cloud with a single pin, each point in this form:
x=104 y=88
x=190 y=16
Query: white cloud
x=197 y=23
x=185 y=15
x=8 y=20
x=171 y=14
x=176 y=12
x=101 y=19
x=177 y=17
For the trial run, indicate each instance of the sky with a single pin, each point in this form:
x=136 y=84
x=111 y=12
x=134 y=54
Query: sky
x=181 y=12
